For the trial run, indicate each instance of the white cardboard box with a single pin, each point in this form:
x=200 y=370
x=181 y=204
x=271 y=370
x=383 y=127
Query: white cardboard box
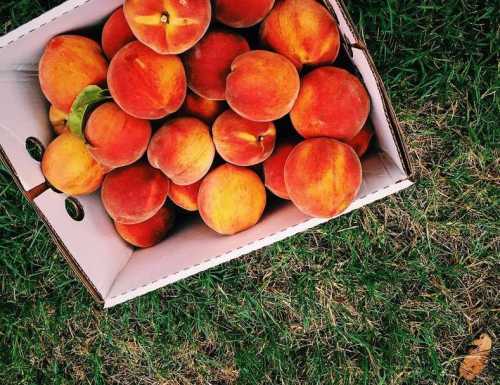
x=110 y=269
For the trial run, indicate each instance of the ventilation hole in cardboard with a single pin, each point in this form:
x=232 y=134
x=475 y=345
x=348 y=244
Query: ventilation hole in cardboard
x=74 y=209
x=35 y=148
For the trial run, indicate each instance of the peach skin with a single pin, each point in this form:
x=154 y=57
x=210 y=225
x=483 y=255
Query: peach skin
x=58 y=120
x=332 y=103
x=134 y=194
x=185 y=197
x=183 y=149
x=239 y=14
x=242 y=142
x=263 y=86
x=145 y=84
x=303 y=31
x=148 y=233
x=168 y=26
x=231 y=199
x=209 y=63
x=115 y=138
x=69 y=166
x=116 y=33
x=274 y=169
x=201 y=108
x=361 y=142
x=68 y=65
x=322 y=177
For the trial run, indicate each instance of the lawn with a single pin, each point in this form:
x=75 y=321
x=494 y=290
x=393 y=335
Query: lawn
x=390 y=294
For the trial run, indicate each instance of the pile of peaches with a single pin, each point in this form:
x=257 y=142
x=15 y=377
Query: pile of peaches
x=205 y=104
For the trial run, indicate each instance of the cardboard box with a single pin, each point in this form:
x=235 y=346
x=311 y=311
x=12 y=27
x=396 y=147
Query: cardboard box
x=111 y=270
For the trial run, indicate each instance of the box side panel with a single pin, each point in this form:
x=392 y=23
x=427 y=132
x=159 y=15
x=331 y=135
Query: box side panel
x=92 y=243
x=180 y=255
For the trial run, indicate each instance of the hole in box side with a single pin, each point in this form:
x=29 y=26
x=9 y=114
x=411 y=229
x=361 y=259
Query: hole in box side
x=35 y=148
x=74 y=209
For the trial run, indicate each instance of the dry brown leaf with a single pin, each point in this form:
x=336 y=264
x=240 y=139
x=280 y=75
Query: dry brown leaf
x=474 y=362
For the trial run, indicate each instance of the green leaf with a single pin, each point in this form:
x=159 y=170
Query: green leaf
x=90 y=96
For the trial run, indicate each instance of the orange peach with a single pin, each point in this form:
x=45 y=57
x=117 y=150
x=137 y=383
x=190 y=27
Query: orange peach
x=69 y=167
x=115 y=138
x=209 y=63
x=183 y=149
x=242 y=14
x=116 y=33
x=274 y=169
x=185 y=197
x=263 y=86
x=201 y=108
x=68 y=65
x=362 y=141
x=231 y=199
x=150 y=232
x=168 y=26
x=145 y=84
x=302 y=30
x=332 y=103
x=58 y=120
x=241 y=141
x=322 y=177
x=135 y=193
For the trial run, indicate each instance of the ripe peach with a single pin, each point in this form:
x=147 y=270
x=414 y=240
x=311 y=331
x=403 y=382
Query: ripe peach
x=145 y=84
x=362 y=141
x=135 y=193
x=241 y=141
x=231 y=199
x=303 y=31
x=239 y=14
x=69 y=166
x=68 y=65
x=209 y=63
x=115 y=138
x=168 y=26
x=201 y=108
x=183 y=149
x=150 y=232
x=274 y=169
x=185 y=197
x=58 y=120
x=116 y=33
x=322 y=177
x=263 y=86
x=333 y=103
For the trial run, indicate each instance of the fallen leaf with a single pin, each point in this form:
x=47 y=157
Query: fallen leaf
x=474 y=362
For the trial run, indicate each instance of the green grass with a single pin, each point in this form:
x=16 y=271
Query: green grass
x=390 y=294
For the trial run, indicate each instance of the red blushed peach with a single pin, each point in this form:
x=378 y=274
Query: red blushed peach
x=303 y=31
x=231 y=199
x=274 y=169
x=201 y=108
x=150 y=232
x=135 y=193
x=209 y=63
x=183 y=149
x=322 y=177
x=116 y=33
x=185 y=197
x=69 y=166
x=242 y=14
x=263 y=86
x=332 y=103
x=58 y=120
x=361 y=142
x=115 y=138
x=168 y=26
x=145 y=84
x=241 y=141
x=68 y=65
